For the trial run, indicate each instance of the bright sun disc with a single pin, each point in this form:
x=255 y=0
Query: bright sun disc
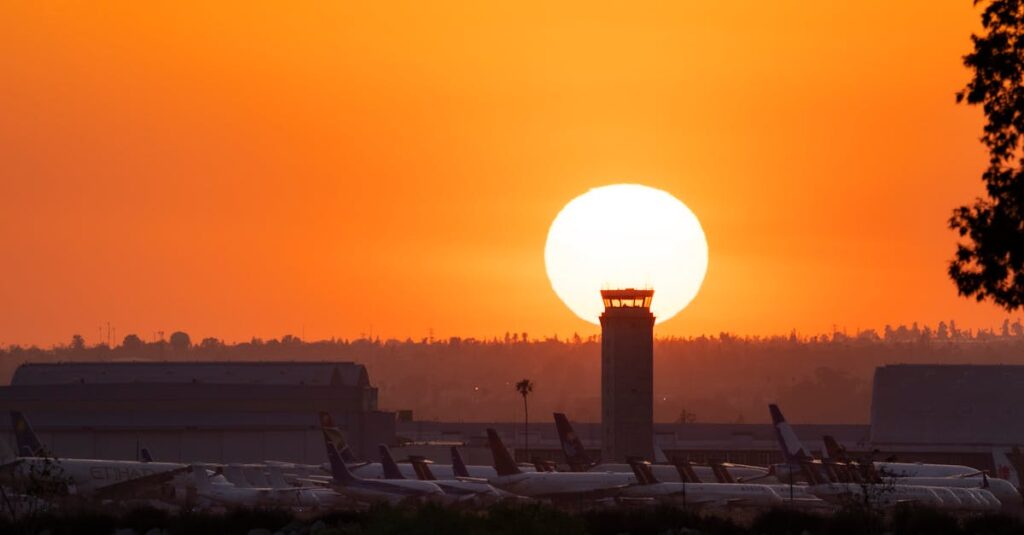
x=626 y=236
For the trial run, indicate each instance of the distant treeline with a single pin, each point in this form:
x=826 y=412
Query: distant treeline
x=724 y=378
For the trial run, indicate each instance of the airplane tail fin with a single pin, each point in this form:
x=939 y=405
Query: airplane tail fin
x=335 y=435
x=277 y=480
x=201 y=478
x=387 y=462
x=835 y=451
x=1008 y=465
x=458 y=465
x=720 y=471
x=575 y=455
x=659 y=455
x=642 y=471
x=504 y=464
x=792 y=450
x=686 y=472
x=422 y=467
x=25 y=437
x=145 y=455
x=339 y=472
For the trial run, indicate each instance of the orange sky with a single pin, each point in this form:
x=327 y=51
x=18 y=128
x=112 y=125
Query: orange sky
x=268 y=169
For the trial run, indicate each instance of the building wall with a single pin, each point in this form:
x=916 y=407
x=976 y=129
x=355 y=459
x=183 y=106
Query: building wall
x=927 y=406
x=196 y=412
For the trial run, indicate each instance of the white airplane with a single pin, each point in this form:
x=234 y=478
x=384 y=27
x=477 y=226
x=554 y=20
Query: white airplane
x=371 y=470
x=793 y=495
x=393 y=491
x=894 y=469
x=972 y=494
x=578 y=460
x=1004 y=491
x=455 y=490
x=794 y=453
x=91 y=478
x=841 y=493
x=555 y=485
x=222 y=492
x=840 y=489
x=699 y=494
x=325 y=497
x=1005 y=494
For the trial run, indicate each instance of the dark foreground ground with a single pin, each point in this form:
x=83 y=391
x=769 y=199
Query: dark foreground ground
x=512 y=520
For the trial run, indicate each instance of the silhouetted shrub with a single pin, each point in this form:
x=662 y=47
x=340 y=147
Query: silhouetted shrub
x=786 y=522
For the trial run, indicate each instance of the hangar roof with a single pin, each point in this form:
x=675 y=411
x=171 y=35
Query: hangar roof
x=255 y=372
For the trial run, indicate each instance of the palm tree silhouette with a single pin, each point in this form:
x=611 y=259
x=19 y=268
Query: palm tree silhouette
x=524 y=388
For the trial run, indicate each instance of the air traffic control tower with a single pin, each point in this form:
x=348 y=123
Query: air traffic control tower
x=627 y=375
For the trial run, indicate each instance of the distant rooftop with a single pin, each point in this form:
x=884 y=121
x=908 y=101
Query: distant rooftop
x=250 y=372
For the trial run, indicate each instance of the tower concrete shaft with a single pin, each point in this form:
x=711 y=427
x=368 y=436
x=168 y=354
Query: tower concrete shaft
x=627 y=375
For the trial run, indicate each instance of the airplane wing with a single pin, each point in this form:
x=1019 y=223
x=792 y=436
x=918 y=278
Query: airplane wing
x=755 y=478
x=472 y=479
x=601 y=493
x=357 y=466
x=316 y=482
x=970 y=474
x=132 y=487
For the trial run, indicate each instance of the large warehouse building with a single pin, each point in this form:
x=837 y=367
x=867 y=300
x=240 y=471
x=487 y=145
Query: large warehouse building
x=947 y=413
x=196 y=411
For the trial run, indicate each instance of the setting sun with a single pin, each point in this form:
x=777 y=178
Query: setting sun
x=626 y=236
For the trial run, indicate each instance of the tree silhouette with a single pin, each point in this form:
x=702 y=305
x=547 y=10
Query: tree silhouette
x=524 y=388
x=180 y=341
x=77 y=343
x=132 y=343
x=990 y=263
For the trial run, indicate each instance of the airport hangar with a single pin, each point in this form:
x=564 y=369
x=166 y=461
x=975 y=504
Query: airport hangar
x=254 y=411
x=196 y=411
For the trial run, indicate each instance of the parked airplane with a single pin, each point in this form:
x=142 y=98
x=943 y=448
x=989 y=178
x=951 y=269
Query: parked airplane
x=894 y=469
x=377 y=490
x=223 y=492
x=373 y=470
x=555 y=485
x=882 y=494
x=326 y=497
x=454 y=489
x=91 y=478
x=794 y=453
x=578 y=460
x=698 y=494
x=795 y=495
x=973 y=493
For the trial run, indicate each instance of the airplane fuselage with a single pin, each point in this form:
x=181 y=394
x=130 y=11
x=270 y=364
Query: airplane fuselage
x=722 y=494
x=562 y=484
